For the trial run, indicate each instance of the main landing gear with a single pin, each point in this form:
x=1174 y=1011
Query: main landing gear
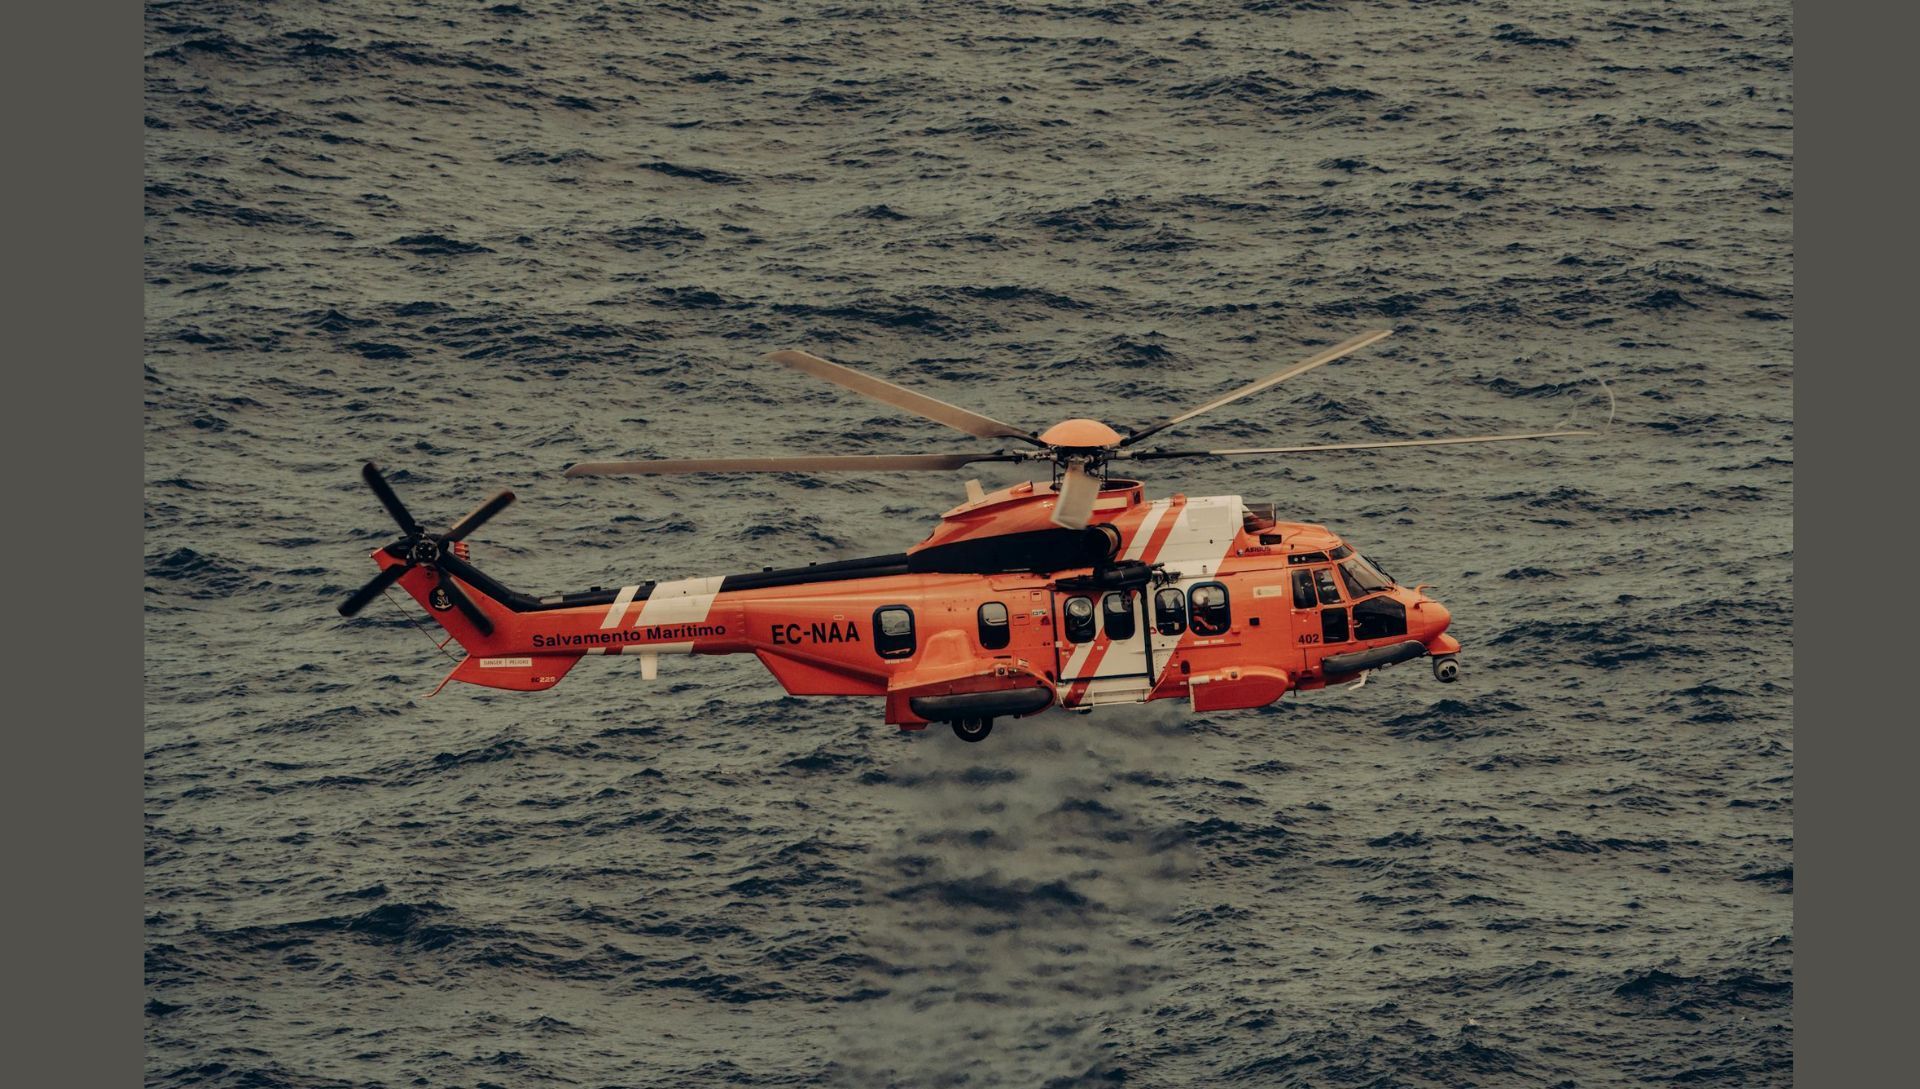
x=972 y=729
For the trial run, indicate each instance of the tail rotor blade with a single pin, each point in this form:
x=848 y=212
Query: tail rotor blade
x=389 y=498
x=478 y=518
x=465 y=604
x=374 y=588
x=1078 y=490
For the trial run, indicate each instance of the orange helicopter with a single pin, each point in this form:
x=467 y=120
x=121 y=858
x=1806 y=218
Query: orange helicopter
x=1077 y=592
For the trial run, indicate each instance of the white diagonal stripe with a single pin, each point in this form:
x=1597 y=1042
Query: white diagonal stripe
x=683 y=601
x=1076 y=661
x=618 y=611
x=1202 y=536
x=1138 y=546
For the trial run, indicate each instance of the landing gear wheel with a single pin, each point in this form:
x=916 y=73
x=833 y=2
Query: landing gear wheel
x=1446 y=669
x=972 y=729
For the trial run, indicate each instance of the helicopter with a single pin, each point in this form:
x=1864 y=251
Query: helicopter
x=1078 y=591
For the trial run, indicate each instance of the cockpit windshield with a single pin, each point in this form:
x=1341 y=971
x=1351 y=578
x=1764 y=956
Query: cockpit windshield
x=1362 y=577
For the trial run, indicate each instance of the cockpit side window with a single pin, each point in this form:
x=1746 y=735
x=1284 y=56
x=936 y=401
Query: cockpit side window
x=1354 y=589
x=1379 y=618
x=1303 y=590
x=1323 y=579
x=1333 y=625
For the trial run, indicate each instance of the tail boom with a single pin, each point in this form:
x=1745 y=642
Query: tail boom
x=530 y=651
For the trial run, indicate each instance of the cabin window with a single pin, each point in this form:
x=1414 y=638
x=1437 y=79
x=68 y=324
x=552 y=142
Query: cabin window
x=1079 y=624
x=1170 y=612
x=1362 y=578
x=1341 y=553
x=1119 y=616
x=1379 y=618
x=994 y=633
x=893 y=631
x=1329 y=593
x=1303 y=596
x=1209 y=611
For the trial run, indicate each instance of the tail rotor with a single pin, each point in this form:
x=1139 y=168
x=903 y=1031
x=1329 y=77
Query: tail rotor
x=419 y=548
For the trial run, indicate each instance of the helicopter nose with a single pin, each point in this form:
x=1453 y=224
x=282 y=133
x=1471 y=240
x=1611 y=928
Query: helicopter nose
x=1435 y=616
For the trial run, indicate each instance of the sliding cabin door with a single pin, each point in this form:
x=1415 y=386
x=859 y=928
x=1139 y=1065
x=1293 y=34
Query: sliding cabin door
x=1105 y=646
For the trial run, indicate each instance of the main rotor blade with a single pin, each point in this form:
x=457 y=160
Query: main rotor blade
x=478 y=518
x=1345 y=347
x=1148 y=455
x=374 y=588
x=821 y=463
x=885 y=392
x=389 y=498
x=466 y=605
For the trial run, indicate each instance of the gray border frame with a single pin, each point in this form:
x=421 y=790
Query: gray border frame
x=74 y=789
x=1854 y=768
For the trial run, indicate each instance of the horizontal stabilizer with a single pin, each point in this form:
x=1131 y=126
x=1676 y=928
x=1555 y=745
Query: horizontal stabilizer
x=523 y=673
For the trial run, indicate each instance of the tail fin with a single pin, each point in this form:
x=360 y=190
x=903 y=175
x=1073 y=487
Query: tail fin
x=483 y=624
x=496 y=657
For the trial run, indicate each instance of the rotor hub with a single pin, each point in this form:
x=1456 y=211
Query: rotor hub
x=425 y=550
x=1080 y=434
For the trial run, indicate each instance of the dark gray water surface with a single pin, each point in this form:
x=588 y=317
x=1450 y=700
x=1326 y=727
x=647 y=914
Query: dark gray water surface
x=480 y=242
